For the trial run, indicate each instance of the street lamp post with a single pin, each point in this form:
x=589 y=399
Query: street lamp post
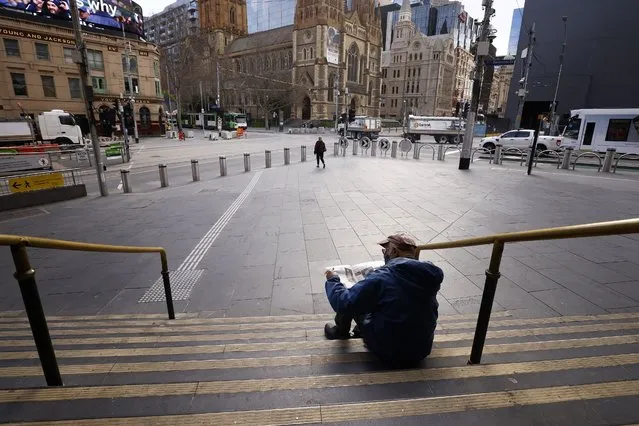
x=553 y=108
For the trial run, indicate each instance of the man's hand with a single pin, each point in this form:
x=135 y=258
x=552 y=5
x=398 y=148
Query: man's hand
x=330 y=274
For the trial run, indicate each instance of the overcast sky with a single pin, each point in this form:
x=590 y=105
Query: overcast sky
x=501 y=21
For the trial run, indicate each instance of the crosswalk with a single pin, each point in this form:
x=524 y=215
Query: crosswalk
x=141 y=369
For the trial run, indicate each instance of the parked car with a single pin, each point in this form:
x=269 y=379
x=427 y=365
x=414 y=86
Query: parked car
x=521 y=139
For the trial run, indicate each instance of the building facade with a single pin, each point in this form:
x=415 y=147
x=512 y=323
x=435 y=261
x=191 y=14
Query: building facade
x=296 y=71
x=499 y=91
x=600 y=70
x=269 y=15
x=418 y=72
x=464 y=70
x=38 y=73
x=515 y=30
x=177 y=21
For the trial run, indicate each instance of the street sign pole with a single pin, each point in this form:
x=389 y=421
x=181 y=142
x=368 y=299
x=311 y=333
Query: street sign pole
x=482 y=50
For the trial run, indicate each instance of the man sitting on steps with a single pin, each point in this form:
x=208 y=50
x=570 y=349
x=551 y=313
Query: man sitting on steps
x=395 y=307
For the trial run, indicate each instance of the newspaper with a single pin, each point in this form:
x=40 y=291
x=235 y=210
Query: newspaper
x=351 y=275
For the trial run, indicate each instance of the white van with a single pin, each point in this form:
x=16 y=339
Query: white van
x=599 y=129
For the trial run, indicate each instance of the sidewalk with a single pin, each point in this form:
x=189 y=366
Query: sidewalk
x=257 y=243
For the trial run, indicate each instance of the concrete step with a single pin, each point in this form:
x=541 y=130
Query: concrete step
x=143 y=369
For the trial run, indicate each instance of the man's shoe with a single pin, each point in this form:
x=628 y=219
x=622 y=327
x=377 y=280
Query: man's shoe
x=332 y=333
x=318 y=166
x=324 y=166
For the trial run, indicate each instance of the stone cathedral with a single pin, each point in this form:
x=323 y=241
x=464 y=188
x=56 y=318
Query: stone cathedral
x=331 y=53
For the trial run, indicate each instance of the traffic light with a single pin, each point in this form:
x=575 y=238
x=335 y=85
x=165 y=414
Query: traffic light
x=351 y=115
x=466 y=109
x=457 y=108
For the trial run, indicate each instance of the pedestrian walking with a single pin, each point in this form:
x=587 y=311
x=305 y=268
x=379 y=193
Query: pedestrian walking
x=320 y=149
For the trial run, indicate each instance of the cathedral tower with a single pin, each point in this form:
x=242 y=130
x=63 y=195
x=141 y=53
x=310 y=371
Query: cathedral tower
x=224 y=20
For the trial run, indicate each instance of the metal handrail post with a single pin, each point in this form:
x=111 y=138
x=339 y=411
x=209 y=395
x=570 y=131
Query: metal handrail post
x=25 y=276
x=487 y=298
x=168 y=295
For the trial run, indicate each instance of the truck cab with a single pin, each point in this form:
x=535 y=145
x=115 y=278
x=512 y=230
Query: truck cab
x=59 y=127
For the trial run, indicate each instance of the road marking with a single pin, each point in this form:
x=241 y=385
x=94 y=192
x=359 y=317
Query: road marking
x=442 y=324
x=314 y=382
x=187 y=274
x=188 y=317
x=315 y=414
x=197 y=254
x=168 y=331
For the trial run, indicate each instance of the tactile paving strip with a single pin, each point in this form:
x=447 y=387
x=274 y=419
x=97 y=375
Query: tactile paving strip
x=182 y=284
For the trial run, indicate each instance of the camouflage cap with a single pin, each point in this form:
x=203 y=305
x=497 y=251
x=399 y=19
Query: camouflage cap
x=401 y=241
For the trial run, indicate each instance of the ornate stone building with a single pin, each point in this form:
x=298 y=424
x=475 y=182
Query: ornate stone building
x=333 y=45
x=418 y=72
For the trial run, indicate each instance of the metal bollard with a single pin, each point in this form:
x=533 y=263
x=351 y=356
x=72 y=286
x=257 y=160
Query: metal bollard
x=247 y=162
x=195 y=170
x=374 y=148
x=394 y=149
x=164 y=175
x=336 y=149
x=440 y=152
x=267 y=159
x=498 y=153
x=287 y=156
x=126 y=186
x=416 y=151
x=355 y=146
x=222 y=165
x=303 y=153
x=610 y=157
x=565 y=162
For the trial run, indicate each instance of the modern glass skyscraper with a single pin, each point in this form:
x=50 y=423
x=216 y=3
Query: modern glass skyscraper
x=269 y=14
x=515 y=30
x=448 y=18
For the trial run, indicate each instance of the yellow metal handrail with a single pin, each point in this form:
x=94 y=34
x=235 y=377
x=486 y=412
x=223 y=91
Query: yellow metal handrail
x=628 y=226
x=25 y=275
x=48 y=243
x=617 y=227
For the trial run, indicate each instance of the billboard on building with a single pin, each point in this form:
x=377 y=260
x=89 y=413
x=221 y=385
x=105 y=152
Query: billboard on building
x=332 y=46
x=113 y=14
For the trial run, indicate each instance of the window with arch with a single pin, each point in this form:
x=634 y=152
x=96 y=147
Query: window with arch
x=283 y=64
x=421 y=55
x=304 y=53
x=145 y=117
x=410 y=56
x=267 y=65
x=238 y=67
x=418 y=87
x=289 y=59
x=232 y=15
x=353 y=62
x=370 y=93
x=310 y=53
x=383 y=89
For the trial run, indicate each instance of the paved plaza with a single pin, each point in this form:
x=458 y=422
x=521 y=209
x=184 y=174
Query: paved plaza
x=264 y=238
x=247 y=254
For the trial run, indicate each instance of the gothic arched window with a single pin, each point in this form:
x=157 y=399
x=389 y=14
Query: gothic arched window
x=232 y=15
x=353 y=62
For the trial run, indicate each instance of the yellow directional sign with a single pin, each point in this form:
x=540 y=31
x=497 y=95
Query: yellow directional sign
x=36 y=182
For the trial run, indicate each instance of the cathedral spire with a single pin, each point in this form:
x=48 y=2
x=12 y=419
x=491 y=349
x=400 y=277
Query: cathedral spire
x=405 y=13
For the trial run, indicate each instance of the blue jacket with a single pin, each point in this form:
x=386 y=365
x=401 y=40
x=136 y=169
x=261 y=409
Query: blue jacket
x=399 y=302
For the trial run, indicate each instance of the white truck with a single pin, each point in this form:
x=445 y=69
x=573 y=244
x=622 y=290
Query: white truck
x=522 y=139
x=443 y=129
x=599 y=129
x=56 y=126
x=362 y=126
